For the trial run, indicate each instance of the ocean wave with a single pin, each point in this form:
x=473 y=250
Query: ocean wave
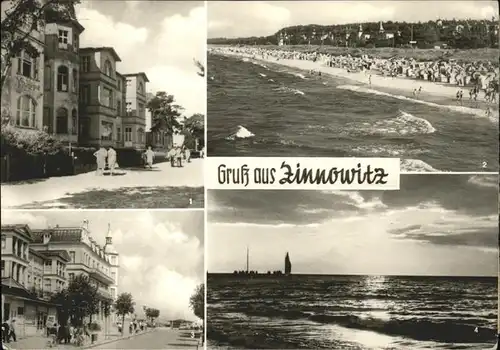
x=299 y=75
x=460 y=109
x=388 y=150
x=403 y=125
x=416 y=165
x=262 y=75
x=241 y=133
x=291 y=90
x=444 y=331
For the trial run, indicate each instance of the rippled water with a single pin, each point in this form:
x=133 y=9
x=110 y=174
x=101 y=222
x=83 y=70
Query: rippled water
x=352 y=312
x=257 y=109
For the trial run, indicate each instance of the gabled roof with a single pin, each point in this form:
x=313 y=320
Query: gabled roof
x=21 y=229
x=57 y=253
x=103 y=48
x=142 y=74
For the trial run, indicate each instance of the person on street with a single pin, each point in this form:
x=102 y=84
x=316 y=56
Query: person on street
x=12 y=330
x=187 y=154
x=5 y=332
x=111 y=160
x=150 y=154
x=100 y=156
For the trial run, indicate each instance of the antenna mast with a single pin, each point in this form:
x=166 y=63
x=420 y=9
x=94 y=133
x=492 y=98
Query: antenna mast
x=247 y=259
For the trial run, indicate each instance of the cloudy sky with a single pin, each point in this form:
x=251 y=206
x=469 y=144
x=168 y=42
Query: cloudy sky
x=160 y=38
x=262 y=18
x=434 y=225
x=161 y=252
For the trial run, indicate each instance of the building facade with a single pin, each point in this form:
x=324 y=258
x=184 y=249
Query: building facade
x=75 y=93
x=38 y=263
x=23 y=280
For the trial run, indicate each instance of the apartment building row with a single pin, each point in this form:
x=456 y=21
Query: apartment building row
x=75 y=93
x=38 y=263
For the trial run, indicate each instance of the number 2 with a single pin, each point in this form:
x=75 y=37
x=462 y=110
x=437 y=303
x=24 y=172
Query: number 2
x=485 y=164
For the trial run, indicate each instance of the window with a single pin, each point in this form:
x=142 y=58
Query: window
x=75 y=81
x=119 y=107
x=20 y=311
x=75 y=42
x=85 y=64
x=141 y=88
x=107 y=97
x=129 y=108
x=4 y=242
x=74 y=122
x=72 y=255
x=118 y=134
x=140 y=135
x=48 y=263
x=63 y=38
x=27 y=66
x=47 y=78
x=106 y=131
x=71 y=276
x=26 y=112
x=129 y=82
x=128 y=134
x=85 y=94
x=62 y=121
x=141 y=110
x=108 y=68
x=119 y=84
x=62 y=79
x=113 y=276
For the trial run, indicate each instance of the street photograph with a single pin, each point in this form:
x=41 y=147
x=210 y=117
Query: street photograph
x=103 y=104
x=103 y=279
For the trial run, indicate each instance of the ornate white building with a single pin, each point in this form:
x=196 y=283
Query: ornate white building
x=114 y=262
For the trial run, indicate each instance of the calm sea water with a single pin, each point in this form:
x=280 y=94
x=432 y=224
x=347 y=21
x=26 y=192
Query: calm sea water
x=352 y=312
x=257 y=109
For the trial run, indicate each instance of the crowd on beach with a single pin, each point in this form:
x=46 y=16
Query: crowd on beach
x=107 y=158
x=478 y=76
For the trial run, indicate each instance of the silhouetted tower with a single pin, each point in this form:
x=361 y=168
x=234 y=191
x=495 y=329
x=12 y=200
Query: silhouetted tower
x=288 y=265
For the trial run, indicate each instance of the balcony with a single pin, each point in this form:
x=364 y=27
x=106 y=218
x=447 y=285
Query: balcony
x=101 y=276
x=104 y=293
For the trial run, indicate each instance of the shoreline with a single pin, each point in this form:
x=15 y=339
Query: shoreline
x=434 y=94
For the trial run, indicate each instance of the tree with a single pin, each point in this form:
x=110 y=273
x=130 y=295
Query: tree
x=124 y=305
x=197 y=301
x=201 y=68
x=165 y=113
x=20 y=20
x=152 y=313
x=194 y=128
x=77 y=301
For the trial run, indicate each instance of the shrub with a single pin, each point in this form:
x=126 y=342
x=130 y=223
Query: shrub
x=94 y=327
x=32 y=142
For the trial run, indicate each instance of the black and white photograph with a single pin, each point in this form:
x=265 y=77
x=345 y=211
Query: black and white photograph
x=415 y=80
x=410 y=269
x=103 y=104
x=103 y=280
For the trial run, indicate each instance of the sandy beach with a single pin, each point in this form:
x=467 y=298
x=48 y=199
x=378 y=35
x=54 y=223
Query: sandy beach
x=434 y=94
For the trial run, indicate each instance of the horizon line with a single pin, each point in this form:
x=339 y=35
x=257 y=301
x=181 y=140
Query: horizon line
x=354 y=274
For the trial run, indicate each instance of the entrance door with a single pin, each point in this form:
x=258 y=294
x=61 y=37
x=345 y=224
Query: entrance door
x=6 y=312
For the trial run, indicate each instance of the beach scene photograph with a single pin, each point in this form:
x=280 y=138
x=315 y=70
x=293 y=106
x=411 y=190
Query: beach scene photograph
x=410 y=269
x=407 y=79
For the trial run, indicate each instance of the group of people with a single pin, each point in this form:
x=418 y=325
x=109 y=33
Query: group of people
x=134 y=326
x=9 y=331
x=108 y=156
x=484 y=75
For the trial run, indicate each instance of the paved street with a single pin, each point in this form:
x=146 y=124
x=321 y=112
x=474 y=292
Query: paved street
x=181 y=186
x=161 y=338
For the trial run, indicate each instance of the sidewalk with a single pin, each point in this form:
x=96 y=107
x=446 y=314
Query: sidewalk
x=40 y=342
x=52 y=189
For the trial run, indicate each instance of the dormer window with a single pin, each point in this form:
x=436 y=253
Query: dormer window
x=63 y=38
x=75 y=42
x=46 y=238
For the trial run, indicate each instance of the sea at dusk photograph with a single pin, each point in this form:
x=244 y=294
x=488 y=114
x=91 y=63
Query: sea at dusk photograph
x=410 y=269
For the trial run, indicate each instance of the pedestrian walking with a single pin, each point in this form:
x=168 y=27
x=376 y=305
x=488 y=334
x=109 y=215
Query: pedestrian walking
x=150 y=154
x=100 y=156
x=5 y=332
x=111 y=160
x=12 y=330
x=187 y=154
